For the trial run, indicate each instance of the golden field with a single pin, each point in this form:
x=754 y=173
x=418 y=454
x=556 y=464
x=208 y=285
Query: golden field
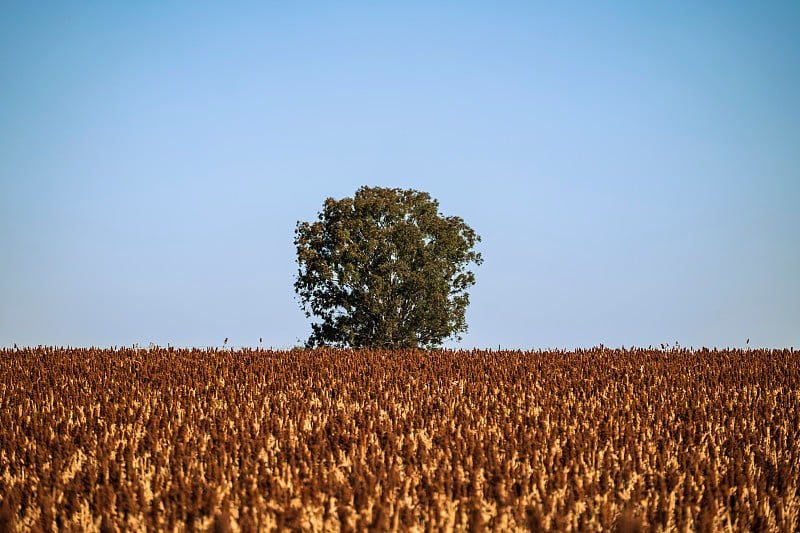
x=329 y=440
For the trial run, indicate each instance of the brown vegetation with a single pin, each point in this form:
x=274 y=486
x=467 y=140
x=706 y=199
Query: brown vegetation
x=250 y=440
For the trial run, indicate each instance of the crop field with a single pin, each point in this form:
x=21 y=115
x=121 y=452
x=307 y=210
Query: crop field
x=330 y=440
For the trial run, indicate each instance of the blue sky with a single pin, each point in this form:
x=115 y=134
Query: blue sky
x=634 y=170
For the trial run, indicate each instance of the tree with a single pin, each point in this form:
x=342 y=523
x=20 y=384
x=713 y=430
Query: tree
x=385 y=269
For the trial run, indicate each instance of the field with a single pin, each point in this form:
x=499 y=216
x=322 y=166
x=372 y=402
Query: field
x=327 y=440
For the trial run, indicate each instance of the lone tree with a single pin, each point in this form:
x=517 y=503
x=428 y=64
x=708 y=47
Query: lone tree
x=385 y=269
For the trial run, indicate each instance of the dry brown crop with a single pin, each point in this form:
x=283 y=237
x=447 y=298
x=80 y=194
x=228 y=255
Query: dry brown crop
x=255 y=440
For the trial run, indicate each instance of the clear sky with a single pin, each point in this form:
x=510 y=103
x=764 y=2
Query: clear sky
x=633 y=168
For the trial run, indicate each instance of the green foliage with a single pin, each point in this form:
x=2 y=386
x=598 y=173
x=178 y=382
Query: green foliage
x=385 y=269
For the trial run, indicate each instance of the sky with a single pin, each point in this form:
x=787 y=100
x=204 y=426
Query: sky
x=633 y=168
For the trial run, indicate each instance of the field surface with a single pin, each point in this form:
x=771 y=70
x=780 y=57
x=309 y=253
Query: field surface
x=327 y=440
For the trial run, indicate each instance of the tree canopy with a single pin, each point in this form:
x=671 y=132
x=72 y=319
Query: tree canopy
x=385 y=269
